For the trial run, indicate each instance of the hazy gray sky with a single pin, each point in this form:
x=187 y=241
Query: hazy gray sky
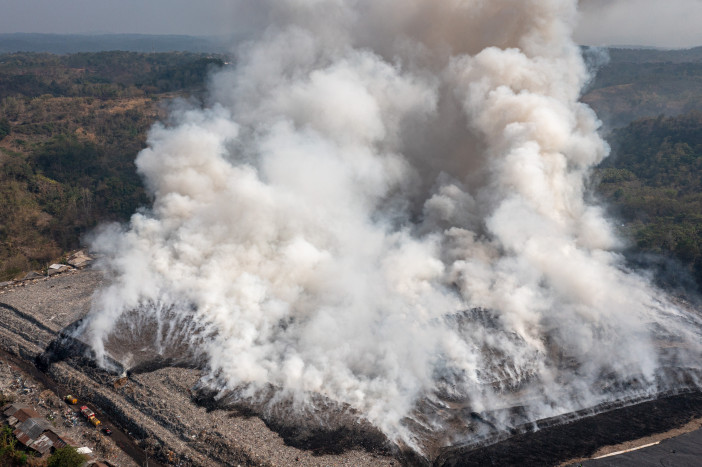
x=192 y=17
x=665 y=23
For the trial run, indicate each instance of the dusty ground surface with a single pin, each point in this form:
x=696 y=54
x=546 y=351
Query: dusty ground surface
x=694 y=425
x=157 y=408
x=21 y=387
x=681 y=451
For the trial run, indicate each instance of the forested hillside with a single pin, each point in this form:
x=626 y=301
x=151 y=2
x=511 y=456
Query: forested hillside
x=70 y=129
x=638 y=83
x=653 y=182
x=71 y=126
x=74 y=43
x=102 y=75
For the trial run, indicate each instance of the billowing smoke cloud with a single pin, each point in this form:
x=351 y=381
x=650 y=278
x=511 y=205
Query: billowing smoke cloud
x=383 y=204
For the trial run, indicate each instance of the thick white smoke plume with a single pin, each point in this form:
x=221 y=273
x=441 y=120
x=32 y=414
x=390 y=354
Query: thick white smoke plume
x=383 y=203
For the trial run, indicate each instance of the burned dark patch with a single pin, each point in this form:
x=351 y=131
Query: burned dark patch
x=552 y=441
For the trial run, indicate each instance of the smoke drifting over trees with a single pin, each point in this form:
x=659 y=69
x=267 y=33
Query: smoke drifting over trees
x=388 y=206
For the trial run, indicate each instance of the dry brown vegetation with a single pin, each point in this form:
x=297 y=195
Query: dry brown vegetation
x=70 y=129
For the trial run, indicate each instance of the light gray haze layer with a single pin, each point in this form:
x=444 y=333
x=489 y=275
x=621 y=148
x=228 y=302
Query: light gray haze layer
x=668 y=23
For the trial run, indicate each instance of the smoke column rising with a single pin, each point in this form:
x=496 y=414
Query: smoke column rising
x=383 y=203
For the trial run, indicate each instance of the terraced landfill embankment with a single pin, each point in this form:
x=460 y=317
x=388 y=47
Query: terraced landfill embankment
x=156 y=408
x=158 y=415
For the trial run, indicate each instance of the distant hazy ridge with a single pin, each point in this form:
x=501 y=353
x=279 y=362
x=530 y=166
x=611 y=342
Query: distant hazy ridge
x=62 y=44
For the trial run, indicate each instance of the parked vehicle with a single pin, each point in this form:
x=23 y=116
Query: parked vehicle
x=71 y=399
x=90 y=415
x=87 y=413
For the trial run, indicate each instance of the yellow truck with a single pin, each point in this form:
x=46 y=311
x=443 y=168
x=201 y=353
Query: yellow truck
x=90 y=415
x=71 y=399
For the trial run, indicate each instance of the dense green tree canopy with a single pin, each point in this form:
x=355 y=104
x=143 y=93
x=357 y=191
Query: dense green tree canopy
x=653 y=182
x=66 y=457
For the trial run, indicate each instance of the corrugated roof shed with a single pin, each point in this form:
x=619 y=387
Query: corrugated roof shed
x=42 y=445
x=31 y=434
x=56 y=439
x=21 y=412
x=25 y=414
x=23 y=437
x=9 y=410
x=33 y=428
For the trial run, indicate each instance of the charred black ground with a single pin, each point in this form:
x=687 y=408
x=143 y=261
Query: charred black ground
x=551 y=445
